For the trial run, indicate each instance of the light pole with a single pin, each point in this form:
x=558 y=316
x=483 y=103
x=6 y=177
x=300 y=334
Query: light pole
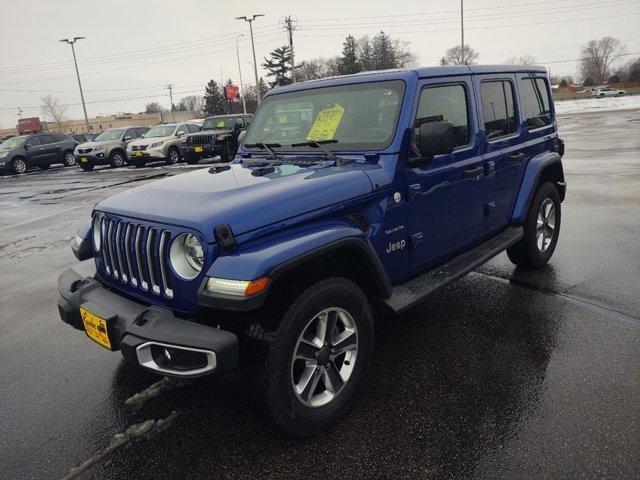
x=462 y=28
x=253 y=48
x=73 y=50
x=244 y=103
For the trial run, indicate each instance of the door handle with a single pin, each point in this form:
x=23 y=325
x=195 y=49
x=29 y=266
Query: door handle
x=473 y=172
x=515 y=157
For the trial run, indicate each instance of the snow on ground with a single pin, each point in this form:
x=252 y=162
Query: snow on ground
x=598 y=104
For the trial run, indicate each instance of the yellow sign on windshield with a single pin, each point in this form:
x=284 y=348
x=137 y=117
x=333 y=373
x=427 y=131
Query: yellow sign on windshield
x=221 y=124
x=326 y=124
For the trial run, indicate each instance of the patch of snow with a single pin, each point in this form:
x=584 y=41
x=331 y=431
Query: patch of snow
x=598 y=104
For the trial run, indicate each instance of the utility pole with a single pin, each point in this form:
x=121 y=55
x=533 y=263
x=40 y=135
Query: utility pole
x=19 y=112
x=290 y=27
x=170 y=88
x=462 y=28
x=244 y=102
x=253 y=48
x=73 y=50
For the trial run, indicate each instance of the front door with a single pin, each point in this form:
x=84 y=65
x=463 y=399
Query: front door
x=445 y=195
x=504 y=148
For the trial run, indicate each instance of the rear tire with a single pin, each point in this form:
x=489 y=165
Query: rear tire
x=541 y=230
x=227 y=153
x=173 y=156
x=117 y=159
x=307 y=375
x=69 y=159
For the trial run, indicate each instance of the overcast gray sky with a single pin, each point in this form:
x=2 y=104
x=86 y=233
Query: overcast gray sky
x=135 y=48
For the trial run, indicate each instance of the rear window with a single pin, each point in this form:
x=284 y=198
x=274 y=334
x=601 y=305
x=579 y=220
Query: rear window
x=498 y=109
x=535 y=102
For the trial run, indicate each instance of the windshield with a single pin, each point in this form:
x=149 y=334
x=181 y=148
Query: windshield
x=109 y=135
x=160 y=131
x=353 y=117
x=12 y=143
x=218 y=123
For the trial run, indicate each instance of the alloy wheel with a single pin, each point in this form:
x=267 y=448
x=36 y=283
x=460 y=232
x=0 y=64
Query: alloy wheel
x=19 y=165
x=324 y=357
x=118 y=160
x=173 y=156
x=69 y=159
x=545 y=225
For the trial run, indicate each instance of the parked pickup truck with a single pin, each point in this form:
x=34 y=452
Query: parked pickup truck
x=390 y=186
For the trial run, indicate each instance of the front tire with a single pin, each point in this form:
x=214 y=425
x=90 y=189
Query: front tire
x=317 y=358
x=117 y=159
x=18 y=166
x=173 y=156
x=69 y=159
x=227 y=153
x=541 y=230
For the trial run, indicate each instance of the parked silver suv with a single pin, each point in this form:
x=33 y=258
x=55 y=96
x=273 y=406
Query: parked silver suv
x=108 y=148
x=161 y=143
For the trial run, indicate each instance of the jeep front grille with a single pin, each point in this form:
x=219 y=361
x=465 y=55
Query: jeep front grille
x=200 y=139
x=137 y=255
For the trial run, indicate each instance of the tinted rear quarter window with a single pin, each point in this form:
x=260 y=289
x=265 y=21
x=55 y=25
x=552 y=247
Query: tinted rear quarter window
x=498 y=109
x=46 y=139
x=33 y=141
x=535 y=102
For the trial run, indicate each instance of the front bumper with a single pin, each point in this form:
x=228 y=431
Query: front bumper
x=147 y=335
x=189 y=151
x=95 y=158
x=146 y=154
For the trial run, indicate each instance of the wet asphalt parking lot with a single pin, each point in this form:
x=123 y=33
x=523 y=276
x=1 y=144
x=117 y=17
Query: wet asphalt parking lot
x=505 y=374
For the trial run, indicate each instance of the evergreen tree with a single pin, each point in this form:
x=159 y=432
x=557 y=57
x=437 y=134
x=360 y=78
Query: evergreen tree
x=365 y=54
x=262 y=85
x=213 y=99
x=348 y=62
x=383 y=52
x=279 y=66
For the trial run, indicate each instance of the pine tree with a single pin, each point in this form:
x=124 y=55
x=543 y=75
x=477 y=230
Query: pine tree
x=213 y=99
x=279 y=66
x=383 y=52
x=365 y=54
x=348 y=62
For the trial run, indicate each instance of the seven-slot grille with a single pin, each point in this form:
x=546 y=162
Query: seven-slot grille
x=136 y=255
x=201 y=139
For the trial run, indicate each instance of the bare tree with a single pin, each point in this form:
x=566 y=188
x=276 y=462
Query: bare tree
x=454 y=56
x=317 y=68
x=192 y=103
x=51 y=107
x=597 y=57
x=521 y=60
x=153 y=107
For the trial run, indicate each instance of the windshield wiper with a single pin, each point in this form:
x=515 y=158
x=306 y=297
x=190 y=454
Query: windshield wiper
x=265 y=146
x=320 y=144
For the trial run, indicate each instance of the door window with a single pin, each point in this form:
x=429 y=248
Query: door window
x=498 y=109
x=141 y=131
x=445 y=103
x=131 y=132
x=33 y=142
x=46 y=139
x=535 y=102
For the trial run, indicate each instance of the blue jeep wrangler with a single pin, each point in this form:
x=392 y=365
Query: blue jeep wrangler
x=374 y=189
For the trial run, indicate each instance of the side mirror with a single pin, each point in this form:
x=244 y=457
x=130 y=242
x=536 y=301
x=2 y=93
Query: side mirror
x=180 y=133
x=434 y=138
x=127 y=138
x=27 y=146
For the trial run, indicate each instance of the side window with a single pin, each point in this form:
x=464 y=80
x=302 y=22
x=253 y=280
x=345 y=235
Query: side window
x=182 y=128
x=535 y=102
x=141 y=131
x=445 y=103
x=497 y=108
x=131 y=132
x=193 y=128
x=33 y=142
x=46 y=139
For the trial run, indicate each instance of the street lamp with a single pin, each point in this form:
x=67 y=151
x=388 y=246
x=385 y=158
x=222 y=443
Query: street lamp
x=73 y=50
x=253 y=47
x=244 y=103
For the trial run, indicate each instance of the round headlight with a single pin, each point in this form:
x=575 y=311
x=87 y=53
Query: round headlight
x=96 y=233
x=187 y=256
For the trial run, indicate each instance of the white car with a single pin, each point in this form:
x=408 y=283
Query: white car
x=607 y=92
x=161 y=143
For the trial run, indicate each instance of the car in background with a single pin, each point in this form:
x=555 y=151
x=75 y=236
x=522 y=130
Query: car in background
x=19 y=154
x=218 y=136
x=161 y=143
x=108 y=148
x=607 y=92
x=83 y=137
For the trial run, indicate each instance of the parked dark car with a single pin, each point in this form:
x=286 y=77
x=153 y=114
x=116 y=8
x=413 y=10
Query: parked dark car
x=218 y=136
x=19 y=154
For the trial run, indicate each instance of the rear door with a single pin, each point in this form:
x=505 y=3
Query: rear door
x=49 y=151
x=503 y=146
x=445 y=195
